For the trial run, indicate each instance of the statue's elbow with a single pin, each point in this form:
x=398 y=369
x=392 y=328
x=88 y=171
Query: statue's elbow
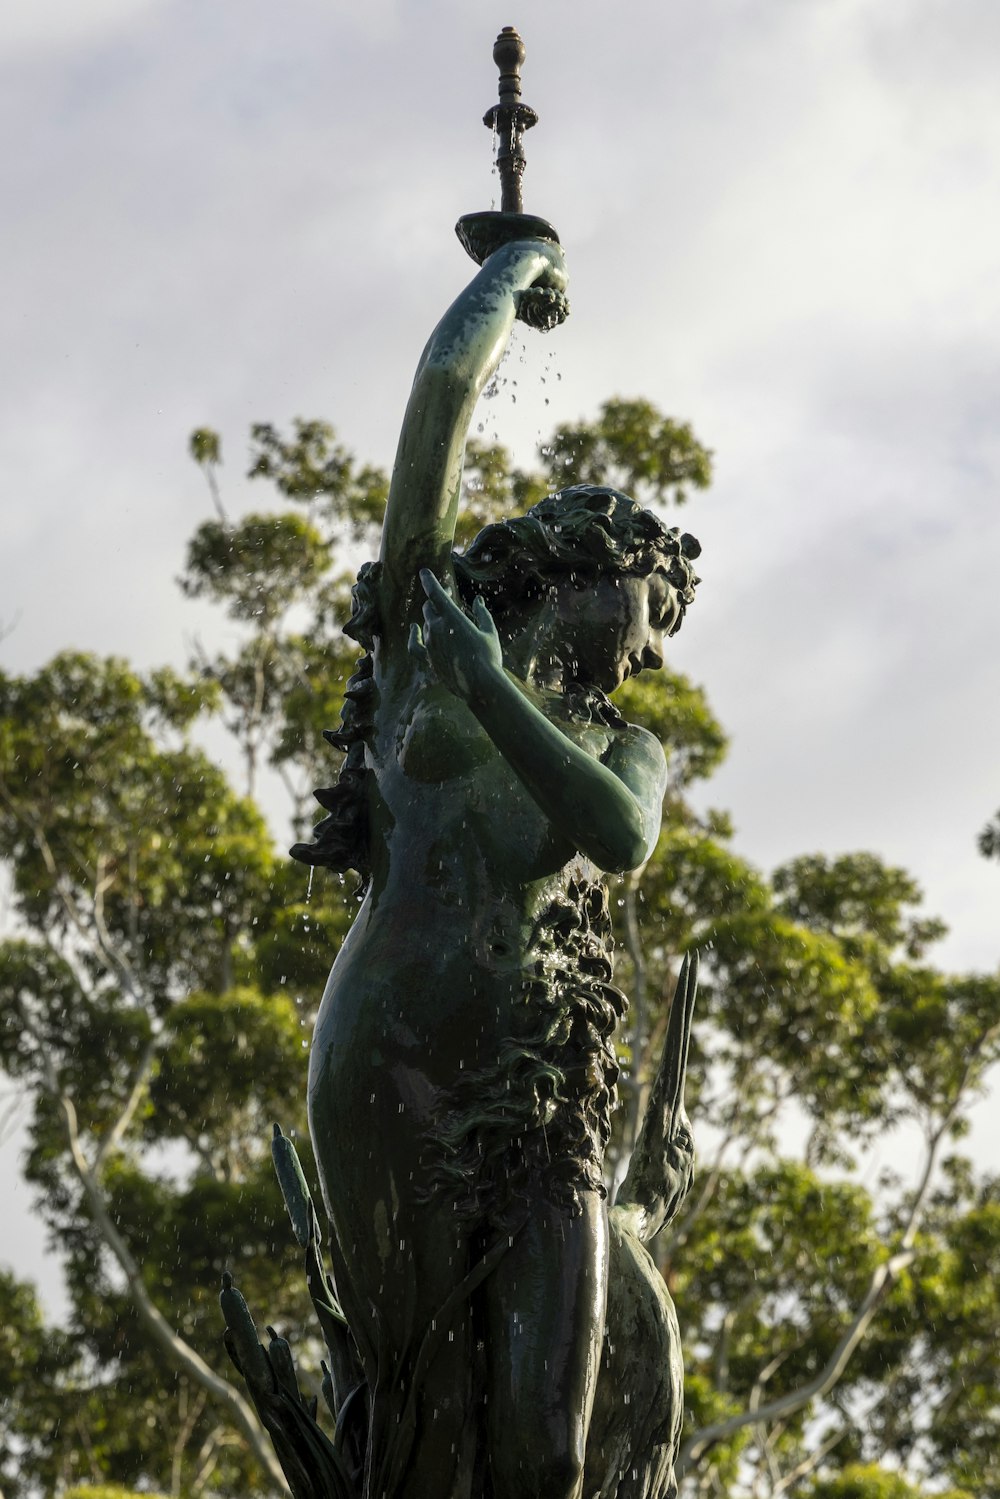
x=624 y=848
x=639 y=840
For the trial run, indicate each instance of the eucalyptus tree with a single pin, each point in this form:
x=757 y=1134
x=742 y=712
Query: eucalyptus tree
x=164 y=961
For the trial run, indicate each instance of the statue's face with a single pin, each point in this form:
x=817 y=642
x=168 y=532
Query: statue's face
x=615 y=628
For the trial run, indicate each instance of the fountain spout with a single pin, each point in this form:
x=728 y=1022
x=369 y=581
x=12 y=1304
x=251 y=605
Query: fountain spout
x=509 y=118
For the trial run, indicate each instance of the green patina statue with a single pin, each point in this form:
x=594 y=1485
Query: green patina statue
x=494 y=1328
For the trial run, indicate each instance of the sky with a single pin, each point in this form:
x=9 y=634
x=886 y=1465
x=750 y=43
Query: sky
x=782 y=222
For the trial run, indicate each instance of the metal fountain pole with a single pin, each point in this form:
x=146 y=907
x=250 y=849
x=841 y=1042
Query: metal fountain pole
x=509 y=118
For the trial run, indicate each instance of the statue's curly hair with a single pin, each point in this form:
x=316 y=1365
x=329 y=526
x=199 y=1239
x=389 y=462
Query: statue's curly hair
x=577 y=535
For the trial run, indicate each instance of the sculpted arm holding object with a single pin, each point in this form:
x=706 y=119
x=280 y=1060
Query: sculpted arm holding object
x=460 y=358
x=609 y=811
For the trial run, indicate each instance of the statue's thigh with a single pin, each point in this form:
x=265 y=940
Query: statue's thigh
x=545 y=1322
x=397 y=1251
x=401 y=1259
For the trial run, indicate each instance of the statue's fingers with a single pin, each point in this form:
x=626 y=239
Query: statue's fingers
x=542 y=307
x=434 y=589
x=482 y=616
x=433 y=624
x=415 y=645
x=440 y=607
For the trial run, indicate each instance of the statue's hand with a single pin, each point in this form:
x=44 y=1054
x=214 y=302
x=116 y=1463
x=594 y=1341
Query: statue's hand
x=544 y=303
x=542 y=307
x=542 y=259
x=463 y=653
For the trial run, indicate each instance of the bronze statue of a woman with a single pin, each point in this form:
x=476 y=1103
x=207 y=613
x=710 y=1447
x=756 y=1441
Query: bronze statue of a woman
x=508 y=1335
x=463 y=1071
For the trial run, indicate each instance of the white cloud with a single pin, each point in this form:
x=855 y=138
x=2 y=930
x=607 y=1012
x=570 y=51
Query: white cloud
x=44 y=25
x=783 y=222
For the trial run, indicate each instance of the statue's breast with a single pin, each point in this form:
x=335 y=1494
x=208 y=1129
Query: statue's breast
x=439 y=739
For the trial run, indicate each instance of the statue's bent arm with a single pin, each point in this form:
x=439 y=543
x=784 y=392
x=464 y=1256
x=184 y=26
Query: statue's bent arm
x=608 y=809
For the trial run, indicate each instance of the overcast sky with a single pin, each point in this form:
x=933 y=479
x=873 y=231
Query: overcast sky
x=782 y=219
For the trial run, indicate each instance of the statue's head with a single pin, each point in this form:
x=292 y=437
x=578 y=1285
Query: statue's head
x=610 y=577
x=576 y=536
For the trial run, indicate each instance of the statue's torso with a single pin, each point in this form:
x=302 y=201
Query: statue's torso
x=482 y=936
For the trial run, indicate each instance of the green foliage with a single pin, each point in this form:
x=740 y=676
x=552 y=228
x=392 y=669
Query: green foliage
x=629 y=446
x=312 y=466
x=632 y=447
x=492 y=487
x=989 y=839
x=205 y=446
x=31 y=1356
x=259 y=1035
x=138 y=881
x=108 y=1491
x=164 y=965
x=259 y=568
x=868 y=1481
x=859 y=900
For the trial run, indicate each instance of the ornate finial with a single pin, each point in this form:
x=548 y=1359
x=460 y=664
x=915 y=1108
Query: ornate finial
x=509 y=54
x=510 y=118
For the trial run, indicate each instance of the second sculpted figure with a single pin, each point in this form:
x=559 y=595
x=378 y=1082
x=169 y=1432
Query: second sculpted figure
x=513 y=1337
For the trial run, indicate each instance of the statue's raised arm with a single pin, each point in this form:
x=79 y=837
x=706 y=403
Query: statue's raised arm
x=460 y=358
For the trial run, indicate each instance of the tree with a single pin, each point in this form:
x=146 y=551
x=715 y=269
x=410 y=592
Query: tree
x=989 y=839
x=157 y=990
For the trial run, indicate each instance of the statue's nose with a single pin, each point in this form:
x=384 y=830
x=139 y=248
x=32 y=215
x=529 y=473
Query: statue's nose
x=652 y=656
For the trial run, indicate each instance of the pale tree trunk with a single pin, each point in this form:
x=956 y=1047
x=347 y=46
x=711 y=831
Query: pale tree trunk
x=183 y=1357
x=697 y=1447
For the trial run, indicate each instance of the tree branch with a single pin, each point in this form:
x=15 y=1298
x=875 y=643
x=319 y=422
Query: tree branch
x=114 y=962
x=109 y=948
x=809 y=1464
x=882 y=1279
x=936 y=1138
x=633 y=946
x=207 y=1458
x=140 y=1078
x=681 y=1231
x=180 y=1353
x=190 y=1410
x=763 y=1375
x=881 y=1282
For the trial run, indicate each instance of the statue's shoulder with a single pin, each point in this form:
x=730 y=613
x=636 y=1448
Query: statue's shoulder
x=633 y=739
x=639 y=759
